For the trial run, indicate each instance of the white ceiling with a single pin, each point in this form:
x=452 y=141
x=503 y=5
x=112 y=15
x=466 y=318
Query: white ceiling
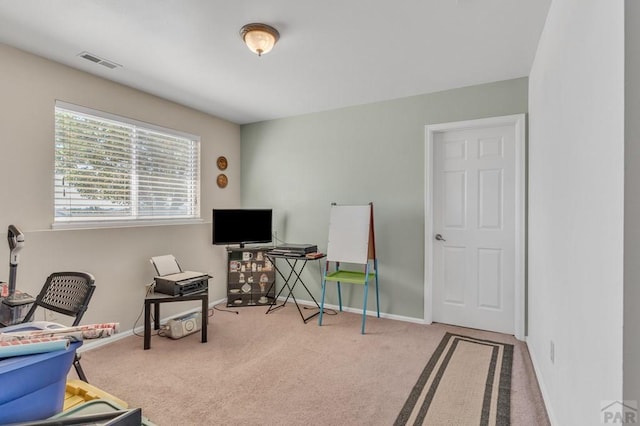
x=331 y=53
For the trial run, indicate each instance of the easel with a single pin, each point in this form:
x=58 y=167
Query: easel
x=352 y=241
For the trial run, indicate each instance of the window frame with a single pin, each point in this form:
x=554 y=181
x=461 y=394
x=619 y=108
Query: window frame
x=128 y=221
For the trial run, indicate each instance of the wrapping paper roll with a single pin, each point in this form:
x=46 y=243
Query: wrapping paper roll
x=32 y=346
x=80 y=332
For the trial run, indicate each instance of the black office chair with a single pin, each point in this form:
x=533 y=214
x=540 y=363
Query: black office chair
x=67 y=293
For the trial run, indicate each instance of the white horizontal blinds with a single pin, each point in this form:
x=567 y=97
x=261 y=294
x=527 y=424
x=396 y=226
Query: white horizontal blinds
x=93 y=167
x=111 y=170
x=167 y=171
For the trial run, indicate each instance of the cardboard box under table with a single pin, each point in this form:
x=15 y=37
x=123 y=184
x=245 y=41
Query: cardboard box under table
x=33 y=386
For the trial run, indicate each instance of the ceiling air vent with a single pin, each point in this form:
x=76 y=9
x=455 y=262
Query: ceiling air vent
x=98 y=60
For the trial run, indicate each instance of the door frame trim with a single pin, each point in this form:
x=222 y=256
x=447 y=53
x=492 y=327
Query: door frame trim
x=518 y=122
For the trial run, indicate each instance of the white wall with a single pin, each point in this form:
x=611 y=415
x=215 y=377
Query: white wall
x=632 y=203
x=119 y=258
x=576 y=201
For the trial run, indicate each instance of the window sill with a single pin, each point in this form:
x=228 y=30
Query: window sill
x=72 y=225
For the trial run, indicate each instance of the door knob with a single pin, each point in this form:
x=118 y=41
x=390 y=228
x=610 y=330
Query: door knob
x=439 y=237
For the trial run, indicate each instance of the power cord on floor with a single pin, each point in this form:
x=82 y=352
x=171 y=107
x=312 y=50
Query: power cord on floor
x=162 y=331
x=216 y=307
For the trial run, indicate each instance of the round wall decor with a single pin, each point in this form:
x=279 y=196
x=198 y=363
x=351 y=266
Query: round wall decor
x=222 y=180
x=222 y=163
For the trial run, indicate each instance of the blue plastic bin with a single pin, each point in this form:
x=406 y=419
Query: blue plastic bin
x=32 y=387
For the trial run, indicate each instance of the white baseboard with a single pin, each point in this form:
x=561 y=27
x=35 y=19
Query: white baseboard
x=543 y=388
x=96 y=343
x=93 y=344
x=359 y=311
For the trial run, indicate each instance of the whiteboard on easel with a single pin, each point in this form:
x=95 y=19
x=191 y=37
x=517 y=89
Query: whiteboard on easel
x=349 y=231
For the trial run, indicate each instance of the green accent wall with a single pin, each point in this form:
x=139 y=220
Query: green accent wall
x=370 y=153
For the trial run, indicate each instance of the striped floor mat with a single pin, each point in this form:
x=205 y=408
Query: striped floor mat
x=467 y=381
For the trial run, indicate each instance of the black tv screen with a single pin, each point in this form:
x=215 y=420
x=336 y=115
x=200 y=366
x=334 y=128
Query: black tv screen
x=241 y=226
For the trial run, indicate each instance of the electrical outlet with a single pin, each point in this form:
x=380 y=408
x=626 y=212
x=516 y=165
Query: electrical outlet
x=552 y=352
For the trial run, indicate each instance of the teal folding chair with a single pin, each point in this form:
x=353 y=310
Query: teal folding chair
x=351 y=242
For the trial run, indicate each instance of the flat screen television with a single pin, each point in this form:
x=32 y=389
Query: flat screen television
x=241 y=226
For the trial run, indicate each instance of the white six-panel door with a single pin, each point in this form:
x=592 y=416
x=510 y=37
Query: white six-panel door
x=474 y=227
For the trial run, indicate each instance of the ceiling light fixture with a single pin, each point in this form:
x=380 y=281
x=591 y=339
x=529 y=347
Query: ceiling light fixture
x=260 y=38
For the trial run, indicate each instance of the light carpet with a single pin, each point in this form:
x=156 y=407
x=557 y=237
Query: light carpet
x=273 y=369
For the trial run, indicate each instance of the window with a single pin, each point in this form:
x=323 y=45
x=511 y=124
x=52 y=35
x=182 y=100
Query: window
x=109 y=168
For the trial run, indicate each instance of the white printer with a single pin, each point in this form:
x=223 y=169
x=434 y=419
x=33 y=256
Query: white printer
x=172 y=280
